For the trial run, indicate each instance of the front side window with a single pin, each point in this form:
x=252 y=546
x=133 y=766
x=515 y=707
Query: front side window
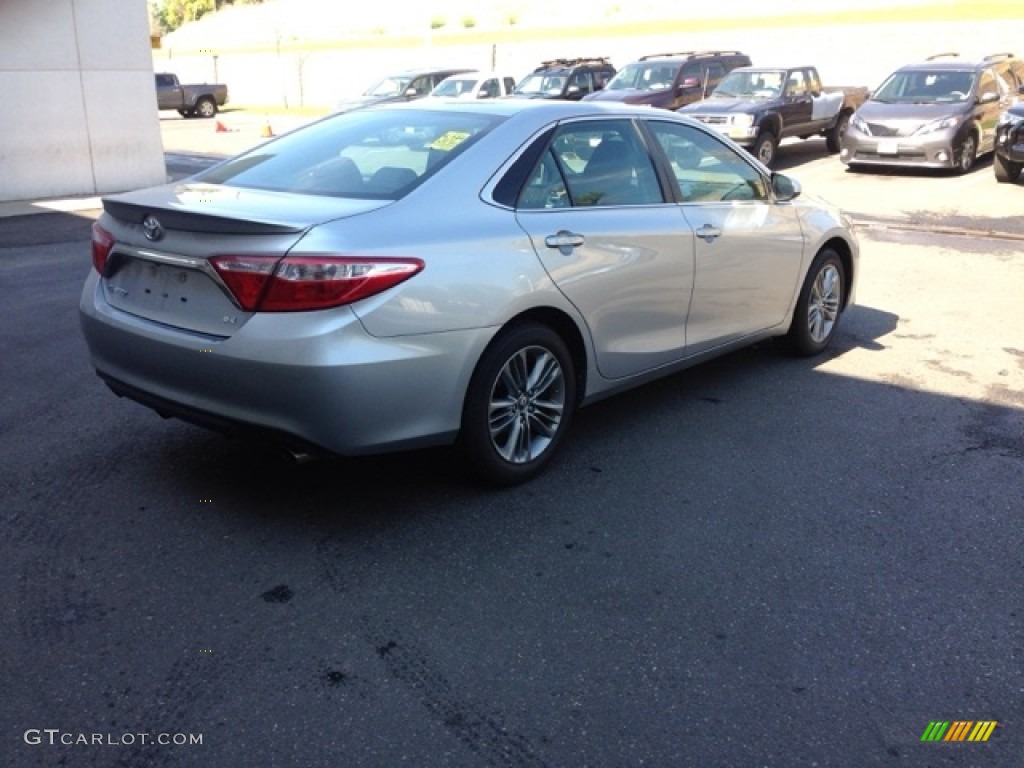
x=706 y=169
x=593 y=163
x=375 y=154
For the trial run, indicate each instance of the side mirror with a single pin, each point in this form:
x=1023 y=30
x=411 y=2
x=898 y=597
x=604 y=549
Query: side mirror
x=573 y=89
x=410 y=92
x=690 y=82
x=785 y=188
x=988 y=97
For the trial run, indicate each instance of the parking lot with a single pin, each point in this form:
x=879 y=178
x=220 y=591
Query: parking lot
x=759 y=562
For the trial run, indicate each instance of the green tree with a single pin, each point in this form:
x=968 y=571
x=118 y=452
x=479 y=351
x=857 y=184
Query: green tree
x=171 y=14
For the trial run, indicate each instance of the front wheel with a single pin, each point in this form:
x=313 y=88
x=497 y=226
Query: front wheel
x=968 y=153
x=519 y=404
x=764 y=147
x=834 y=137
x=1005 y=170
x=818 y=308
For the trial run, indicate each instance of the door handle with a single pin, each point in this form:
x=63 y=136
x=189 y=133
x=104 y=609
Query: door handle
x=564 y=241
x=707 y=233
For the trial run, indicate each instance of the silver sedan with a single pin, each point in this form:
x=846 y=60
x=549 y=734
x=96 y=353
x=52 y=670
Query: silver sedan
x=434 y=273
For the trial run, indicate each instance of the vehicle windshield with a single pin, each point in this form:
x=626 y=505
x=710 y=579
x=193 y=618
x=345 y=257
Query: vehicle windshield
x=754 y=84
x=389 y=86
x=541 y=83
x=925 y=87
x=645 y=76
x=461 y=86
x=368 y=154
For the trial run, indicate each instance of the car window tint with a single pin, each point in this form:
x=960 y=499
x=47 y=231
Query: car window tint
x=380 y=154
x=605 y=162
x=706 y=169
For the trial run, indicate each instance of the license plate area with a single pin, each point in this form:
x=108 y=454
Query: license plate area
x=174 y=295
x=888 y=147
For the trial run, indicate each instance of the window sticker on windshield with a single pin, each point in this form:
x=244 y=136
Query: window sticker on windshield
x=448 y=141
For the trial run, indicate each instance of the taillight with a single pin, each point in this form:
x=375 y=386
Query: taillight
x=102 y=244
x=296 y=283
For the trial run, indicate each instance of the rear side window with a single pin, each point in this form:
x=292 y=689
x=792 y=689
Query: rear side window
x=593 y=163
x=373 y=153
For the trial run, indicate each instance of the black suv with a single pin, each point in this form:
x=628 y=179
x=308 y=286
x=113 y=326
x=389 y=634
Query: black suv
x=671 y=80
x=569 y=79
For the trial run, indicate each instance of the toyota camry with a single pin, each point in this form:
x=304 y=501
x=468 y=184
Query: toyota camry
x=469 y=273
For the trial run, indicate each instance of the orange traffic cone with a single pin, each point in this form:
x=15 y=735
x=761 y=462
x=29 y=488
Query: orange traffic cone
x=219 y=127
x=266 y=132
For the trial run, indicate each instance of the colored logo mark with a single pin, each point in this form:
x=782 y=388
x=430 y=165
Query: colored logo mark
x=958 y=730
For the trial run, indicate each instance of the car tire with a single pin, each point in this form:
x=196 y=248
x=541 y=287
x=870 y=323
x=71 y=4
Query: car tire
x=764 y=148
x=1006 y=170
x=819 y=305
x=206 y=107
x=519 y=404
x=834 y=136
x=968 y=154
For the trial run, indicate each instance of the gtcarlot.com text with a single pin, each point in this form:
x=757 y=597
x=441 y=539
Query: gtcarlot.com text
x=57 y=737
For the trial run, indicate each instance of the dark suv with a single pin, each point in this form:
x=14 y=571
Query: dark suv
x=569 y=79
x=671 y=80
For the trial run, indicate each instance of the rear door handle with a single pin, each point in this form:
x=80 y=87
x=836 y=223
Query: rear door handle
x=564 y=241
x=707 y=233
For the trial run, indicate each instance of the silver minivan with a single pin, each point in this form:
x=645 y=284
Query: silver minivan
x=941 y=113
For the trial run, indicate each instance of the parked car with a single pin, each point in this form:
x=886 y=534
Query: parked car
x=527 y=258
x=757 y=107
x=201 y=100
x=671 y=80
x=940 y=113
x=1009 y=153
x=475 y=85
x=568 y=79
x=401 y=86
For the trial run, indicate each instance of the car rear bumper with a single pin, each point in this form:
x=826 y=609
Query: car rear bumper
x=312 y=379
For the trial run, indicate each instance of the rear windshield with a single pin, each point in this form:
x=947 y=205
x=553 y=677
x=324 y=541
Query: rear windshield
x=926 y=87
x=369 y=153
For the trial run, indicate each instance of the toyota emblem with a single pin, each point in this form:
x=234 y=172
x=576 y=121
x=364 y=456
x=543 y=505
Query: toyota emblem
x=152 y=228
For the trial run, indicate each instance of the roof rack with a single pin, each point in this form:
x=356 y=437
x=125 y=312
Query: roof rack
x=691 y=54
x=997 y=56
x=573 y=62
x=947 y=55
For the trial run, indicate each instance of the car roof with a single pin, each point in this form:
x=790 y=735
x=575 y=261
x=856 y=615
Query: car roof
x=542 y=109
x=948 y=65
x=430 y=71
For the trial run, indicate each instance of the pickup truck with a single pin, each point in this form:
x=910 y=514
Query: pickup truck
x=189 y=100
x=757 y=107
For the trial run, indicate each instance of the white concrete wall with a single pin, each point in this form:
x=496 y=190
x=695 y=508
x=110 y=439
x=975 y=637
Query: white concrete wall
x=79 y=110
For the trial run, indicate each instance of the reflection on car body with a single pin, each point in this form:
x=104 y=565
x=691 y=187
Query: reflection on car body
x=474 y=284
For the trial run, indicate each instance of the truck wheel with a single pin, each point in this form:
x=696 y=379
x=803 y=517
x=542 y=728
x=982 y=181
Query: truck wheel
x=764 y=147
x=834 y=137
x=1006 y=170
x=206 y=107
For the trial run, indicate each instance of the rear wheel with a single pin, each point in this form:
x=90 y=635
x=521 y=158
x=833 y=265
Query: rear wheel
x=968 y=153
x=519 y=404
x=817 y=310
x=206 y=107
x=1006 y=170
x=834 y=137
x=764 y=147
